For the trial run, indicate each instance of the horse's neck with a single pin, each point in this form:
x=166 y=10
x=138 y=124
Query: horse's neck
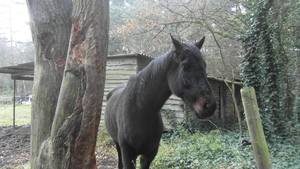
x=152 y=84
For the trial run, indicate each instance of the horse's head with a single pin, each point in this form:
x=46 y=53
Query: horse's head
x=188 y=79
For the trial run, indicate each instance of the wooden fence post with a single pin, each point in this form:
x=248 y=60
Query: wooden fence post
x=259 y=144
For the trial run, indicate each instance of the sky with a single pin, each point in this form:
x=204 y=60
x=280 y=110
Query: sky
x=14 y=20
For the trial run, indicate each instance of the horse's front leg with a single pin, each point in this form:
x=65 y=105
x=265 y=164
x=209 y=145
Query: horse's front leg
x=146 y=159
x=128 y=157
x=120 y=163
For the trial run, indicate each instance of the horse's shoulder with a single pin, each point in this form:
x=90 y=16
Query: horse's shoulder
x=110 y=93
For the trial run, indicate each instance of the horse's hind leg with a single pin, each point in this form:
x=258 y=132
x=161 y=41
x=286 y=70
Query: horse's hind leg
x=120 y=163
x=146 y=159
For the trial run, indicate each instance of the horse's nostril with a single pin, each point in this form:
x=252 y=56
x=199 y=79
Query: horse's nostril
x=206 y=106
x=210 y=106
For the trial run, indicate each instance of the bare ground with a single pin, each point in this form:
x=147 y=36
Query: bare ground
x=15 y=149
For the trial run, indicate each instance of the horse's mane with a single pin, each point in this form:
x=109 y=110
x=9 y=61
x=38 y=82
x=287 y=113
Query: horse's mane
x=154 y=67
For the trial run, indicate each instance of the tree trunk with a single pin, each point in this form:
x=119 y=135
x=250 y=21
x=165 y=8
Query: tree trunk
x=251 y=46
x=73 y=140
x=236 y=108
x=77 y=114
x=297 y=88
x=271 y=92
x=50 y=26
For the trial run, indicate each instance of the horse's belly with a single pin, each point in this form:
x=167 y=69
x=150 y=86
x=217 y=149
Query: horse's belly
x=145 y=140
x=111 y=128
x=110 y=119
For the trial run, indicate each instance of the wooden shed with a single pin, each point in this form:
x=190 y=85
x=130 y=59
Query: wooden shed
x=120 y=67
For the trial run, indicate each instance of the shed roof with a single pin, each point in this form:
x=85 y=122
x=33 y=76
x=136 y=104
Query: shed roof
x=25 y=71
x=127 y=56
x=22 y=71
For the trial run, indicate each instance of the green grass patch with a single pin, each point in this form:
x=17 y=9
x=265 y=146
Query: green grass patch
x=23 y=166
x=105 y=143
x=216 y=149
x=219 y=150
x=23 y=114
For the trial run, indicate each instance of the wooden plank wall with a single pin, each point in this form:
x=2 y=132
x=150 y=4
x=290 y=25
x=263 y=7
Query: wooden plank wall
x=142 y=62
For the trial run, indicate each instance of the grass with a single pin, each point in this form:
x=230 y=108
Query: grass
x=105 y=143
x=23 y=114
x=215 y=149
x=184 y=150
x=23 y=166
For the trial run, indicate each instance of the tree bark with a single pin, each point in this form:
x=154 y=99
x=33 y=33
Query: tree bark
x=236 y=108
x=73 y=140
x=75 y=117
x=297 y=97
x=50 y=26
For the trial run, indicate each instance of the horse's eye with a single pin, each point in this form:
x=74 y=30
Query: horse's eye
x=186 y=67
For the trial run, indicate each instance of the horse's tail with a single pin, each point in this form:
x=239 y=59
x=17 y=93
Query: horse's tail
x=110 y=93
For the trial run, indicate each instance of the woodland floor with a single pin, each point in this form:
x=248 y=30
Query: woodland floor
x=15 y=149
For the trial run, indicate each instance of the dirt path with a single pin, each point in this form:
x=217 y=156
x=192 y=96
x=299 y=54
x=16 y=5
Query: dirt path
x=15 y=149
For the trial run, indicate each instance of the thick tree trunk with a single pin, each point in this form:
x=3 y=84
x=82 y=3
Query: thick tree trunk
x=251 y=46
x=73 y=140
x=75 y=117
x=50 y=27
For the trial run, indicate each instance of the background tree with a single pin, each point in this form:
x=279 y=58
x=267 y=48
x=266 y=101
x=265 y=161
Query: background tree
x=4 y=53
x=66 y=113
x=15 y=48
x=264 y=30
x=148 y=24
x=269 y=61
x=254 y=62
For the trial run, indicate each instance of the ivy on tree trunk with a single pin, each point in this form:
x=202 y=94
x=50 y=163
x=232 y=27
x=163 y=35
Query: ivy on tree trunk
x=260 y=67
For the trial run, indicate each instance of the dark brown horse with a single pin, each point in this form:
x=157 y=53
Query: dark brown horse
x=132 y=115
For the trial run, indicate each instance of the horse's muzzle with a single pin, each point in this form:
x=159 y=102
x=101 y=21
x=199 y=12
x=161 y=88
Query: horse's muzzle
x=204 y=107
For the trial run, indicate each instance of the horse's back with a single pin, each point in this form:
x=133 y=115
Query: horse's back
x=115 y=90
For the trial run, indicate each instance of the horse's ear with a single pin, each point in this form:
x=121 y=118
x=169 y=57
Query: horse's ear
x=200 y=43
x=176 y=44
